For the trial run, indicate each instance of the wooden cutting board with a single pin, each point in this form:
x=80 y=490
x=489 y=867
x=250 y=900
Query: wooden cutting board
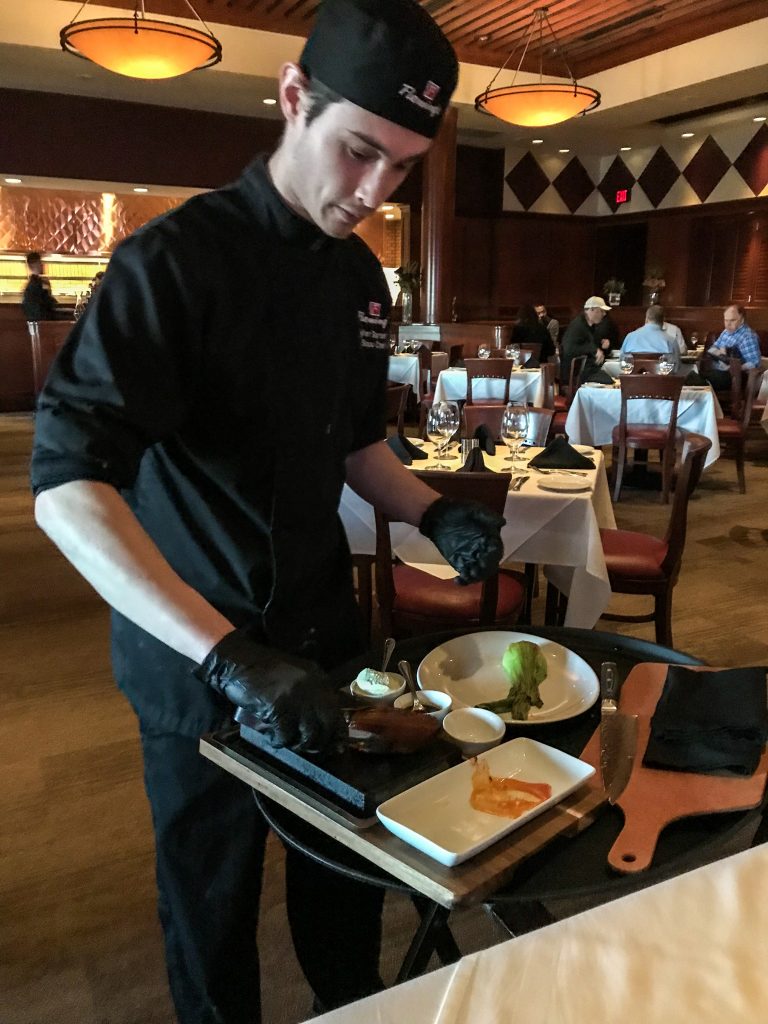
x=653 y=798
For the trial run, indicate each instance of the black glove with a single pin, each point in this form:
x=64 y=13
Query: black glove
x=291 y=697
x=467 y=534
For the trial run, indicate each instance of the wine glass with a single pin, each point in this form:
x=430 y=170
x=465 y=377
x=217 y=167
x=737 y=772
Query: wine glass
x=514 y=428
x=509 y=352
x=694 y=342
x=442 y=424
x=626 y=362
x=483 y=351
x=516 y=359
x=666 y=364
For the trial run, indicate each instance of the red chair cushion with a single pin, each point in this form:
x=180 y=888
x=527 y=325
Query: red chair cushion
x=729 y=428
x=644 y=435
x=558 y=423
x=633 y=554
x=419 y=593
x=561 y=402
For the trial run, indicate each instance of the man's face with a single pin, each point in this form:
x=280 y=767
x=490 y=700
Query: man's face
x=732 y=320
x=342 y=166
x=594 y=315
x=541 y=311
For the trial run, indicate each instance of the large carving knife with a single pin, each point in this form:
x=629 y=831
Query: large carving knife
x=618 y=735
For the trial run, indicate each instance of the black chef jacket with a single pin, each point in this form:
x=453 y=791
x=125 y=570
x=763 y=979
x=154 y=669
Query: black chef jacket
x=37 y=301
x=232 y=359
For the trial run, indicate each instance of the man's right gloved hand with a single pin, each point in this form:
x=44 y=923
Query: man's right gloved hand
x=291 y=697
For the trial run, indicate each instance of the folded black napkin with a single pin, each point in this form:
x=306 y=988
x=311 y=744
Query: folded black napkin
x=475 y=463
x=405 y=450
x=532 y=363
x=560 y=455
x=694 y=379
x=710 y=723
x=598 y=376
x=485 y=437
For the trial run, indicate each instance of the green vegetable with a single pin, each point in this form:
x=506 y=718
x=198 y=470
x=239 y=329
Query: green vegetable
x=526 y=668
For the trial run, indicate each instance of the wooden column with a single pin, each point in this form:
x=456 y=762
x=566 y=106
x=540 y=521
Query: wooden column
x=437 y=222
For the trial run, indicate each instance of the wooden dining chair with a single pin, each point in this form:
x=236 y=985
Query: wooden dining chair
x=46 y=338
x=397 y=400
x=485 y=415
x=646 y=436
x=528 y=350
x=412 y=601
x=732 y=429
x=488 y=369
x=564 y=400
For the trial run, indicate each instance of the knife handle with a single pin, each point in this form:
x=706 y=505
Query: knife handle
x=609 y=681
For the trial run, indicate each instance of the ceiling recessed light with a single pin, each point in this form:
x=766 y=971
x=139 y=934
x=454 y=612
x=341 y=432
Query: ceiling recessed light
x=760 y=118
x=13 y=181
x=687 y=135
x=140 y=188
x=536 y=142
x=625 y=149
x=269 y=102
x=563 y=151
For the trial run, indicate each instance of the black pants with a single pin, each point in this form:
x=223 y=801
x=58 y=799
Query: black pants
x=209 y=841
x=719 y=379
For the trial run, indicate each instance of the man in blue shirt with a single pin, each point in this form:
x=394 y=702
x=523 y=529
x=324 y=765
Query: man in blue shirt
x=652 y=337
x=738 y=339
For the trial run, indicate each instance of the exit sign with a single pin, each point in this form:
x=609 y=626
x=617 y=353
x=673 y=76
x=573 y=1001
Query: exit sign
x=623 y=195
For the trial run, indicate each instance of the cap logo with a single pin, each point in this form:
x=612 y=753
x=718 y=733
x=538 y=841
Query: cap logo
x=431 y=91
x=408 y=92
x=374 y=309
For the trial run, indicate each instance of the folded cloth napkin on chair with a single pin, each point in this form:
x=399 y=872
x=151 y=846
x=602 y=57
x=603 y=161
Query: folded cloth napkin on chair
x=485 y=437
x=694 y=379
x=711 y=723
x=560 y=455
x=405 y=450
x=475 y=462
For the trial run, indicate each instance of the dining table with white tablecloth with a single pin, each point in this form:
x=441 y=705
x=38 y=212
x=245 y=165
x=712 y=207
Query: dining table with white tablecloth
x=596 y=409
x=690 y=950
x=404 y=369
x=559 y=530
x=525 y=387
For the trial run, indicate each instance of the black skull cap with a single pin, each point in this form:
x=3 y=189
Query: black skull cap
x=387 y=56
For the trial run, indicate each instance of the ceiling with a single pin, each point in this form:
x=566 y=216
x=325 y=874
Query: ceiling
x=650 y=60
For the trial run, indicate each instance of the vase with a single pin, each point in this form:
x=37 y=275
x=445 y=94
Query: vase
x=407 y=312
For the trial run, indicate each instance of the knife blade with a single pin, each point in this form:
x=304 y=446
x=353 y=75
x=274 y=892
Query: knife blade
x=618 y=735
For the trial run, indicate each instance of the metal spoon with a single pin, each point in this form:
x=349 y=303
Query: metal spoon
x=389 y=646
x=407 y=673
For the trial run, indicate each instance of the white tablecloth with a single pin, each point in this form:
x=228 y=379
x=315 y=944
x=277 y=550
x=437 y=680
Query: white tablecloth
x=595 y=412
x=559 y=531
x=687 y=951
x=405 y=370
x=524 y=386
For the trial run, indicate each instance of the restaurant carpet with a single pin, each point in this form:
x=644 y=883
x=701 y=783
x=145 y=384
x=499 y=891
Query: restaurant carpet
x=79 y=940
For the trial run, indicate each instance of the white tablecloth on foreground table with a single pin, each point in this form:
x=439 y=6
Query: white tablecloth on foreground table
x=687 y=951
x=595 y=412
x=524 y=386
x=560 y=531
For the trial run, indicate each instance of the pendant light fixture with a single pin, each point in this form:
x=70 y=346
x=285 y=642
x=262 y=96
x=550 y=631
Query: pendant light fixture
x=539 y=103
x=141 y=46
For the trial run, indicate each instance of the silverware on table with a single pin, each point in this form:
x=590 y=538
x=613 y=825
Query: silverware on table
x=618 y=735
x=565 y=472
x=406 y=672
x=518 y=482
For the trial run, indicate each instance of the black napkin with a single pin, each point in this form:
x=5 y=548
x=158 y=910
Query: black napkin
x=532 y=363
x=485 y=437
x=560 y=455
x=694 y=379
x=710 y=723
x=405 y=450
x=475 y=462
x=597 y=376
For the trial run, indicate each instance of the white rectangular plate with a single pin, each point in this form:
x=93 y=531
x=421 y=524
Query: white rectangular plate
x=437 y=818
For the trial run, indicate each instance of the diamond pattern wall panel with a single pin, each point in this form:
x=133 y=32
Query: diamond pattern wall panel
x=618 y=176
x=527 y=180
x=752 y=162
x=573 y=184
x=659 y=176
x=706 y=168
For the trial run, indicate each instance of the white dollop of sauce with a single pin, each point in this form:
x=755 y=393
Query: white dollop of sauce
x=375 y=684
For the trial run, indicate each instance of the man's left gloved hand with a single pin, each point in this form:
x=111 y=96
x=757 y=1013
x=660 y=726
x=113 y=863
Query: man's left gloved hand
x=467 y=534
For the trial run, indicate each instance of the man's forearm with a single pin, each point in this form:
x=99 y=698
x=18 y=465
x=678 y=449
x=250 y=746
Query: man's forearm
x=377 y=475
x=95 y=529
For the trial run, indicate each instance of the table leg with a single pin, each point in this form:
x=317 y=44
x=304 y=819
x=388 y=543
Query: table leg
x=432 y=935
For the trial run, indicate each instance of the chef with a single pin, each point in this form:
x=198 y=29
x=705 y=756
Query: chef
x=191 y=444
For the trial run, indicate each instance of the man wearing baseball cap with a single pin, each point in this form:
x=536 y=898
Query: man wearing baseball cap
x=579 y=340
x=191 y=446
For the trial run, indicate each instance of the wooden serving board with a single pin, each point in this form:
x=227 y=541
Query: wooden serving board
x=653 y=797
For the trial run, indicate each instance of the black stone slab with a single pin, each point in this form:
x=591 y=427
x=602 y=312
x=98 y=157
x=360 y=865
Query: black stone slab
x=354 y=782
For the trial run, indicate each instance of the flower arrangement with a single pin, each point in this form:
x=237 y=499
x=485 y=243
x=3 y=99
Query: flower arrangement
x=654 y=279
x=613 y=287
x=408 y=276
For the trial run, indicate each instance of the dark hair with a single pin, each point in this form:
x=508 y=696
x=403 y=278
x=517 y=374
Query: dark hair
x=655 y=315
x=320 y=97
x=33 y=257
x=527 y=315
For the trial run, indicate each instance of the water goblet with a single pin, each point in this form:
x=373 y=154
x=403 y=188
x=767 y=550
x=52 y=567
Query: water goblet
x=451 y=420
x=483 y=351
x=509 y=352
x=442 y=424
x=626 y=363
x=514 y=428
x=516 y=356
x=665 y=365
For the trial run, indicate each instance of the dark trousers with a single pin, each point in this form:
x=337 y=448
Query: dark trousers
x=209 y=843
x=719 y=379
